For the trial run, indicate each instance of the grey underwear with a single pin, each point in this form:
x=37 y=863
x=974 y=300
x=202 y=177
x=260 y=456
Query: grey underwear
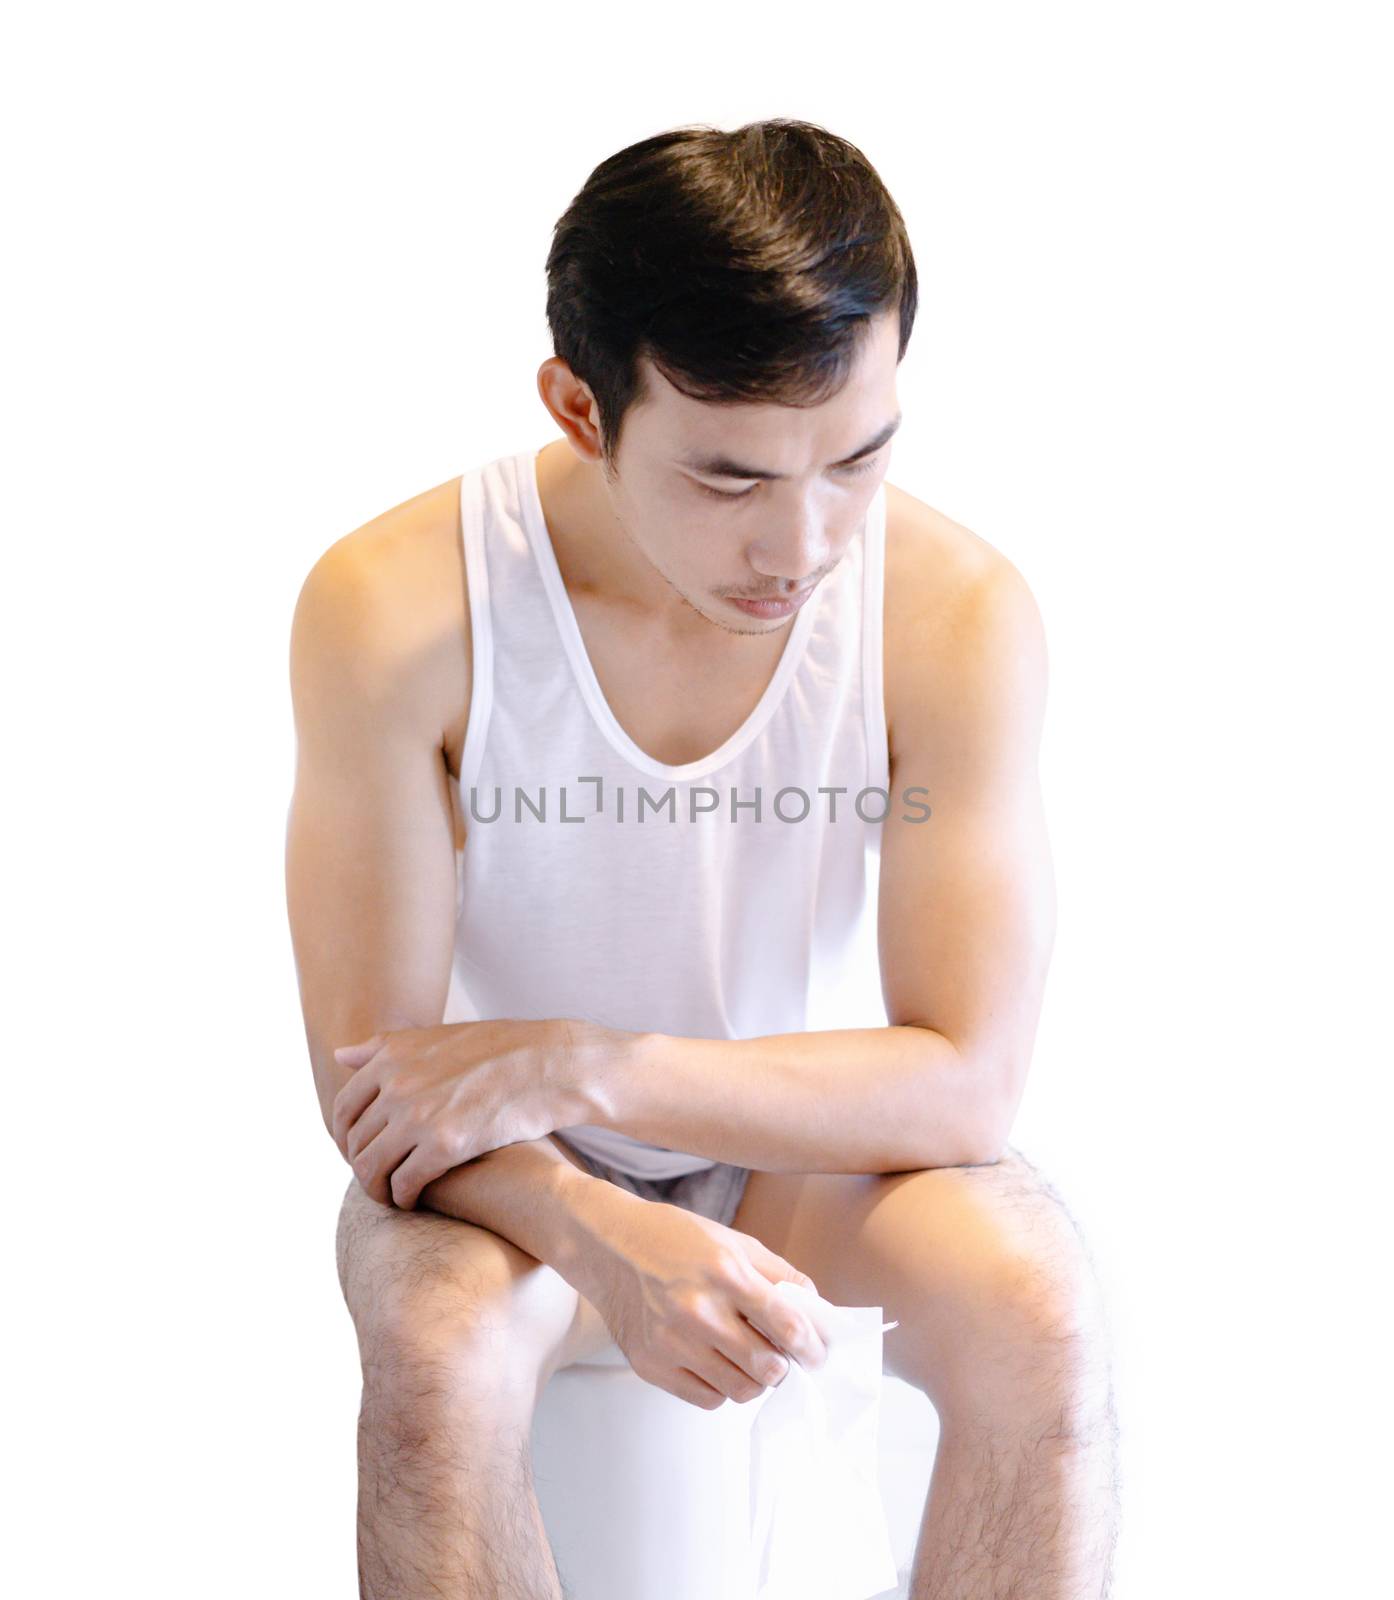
x=714 y=1192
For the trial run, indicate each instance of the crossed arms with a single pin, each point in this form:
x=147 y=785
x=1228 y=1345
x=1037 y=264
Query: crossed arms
x=458 y=1117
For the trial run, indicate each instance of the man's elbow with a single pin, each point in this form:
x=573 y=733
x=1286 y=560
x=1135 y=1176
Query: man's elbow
x=990 y=1108
x=329 y=1079
x=1002 y=1088
x=988 y=1152
x=326 y=1111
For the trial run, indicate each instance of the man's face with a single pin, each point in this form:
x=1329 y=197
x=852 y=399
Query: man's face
x=686 y=492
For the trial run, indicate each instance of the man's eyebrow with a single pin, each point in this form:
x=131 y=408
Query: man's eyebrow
x=716 y=466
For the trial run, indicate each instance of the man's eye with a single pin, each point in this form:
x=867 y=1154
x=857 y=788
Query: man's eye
x=851 y=470
x=727 y=494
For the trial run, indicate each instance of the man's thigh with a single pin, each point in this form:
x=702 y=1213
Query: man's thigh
x=936 y=1248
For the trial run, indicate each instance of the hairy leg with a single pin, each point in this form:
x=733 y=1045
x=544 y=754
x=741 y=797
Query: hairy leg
x=1003 y=1327
x=458 y=1331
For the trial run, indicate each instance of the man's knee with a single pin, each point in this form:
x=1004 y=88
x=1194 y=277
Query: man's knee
x=440 y=1305
x=1019 y=1306
x=1040 y=1275
x=1048 y=1337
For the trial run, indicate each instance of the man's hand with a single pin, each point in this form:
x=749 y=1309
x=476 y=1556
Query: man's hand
x=690 y=1302
x=424 y=1100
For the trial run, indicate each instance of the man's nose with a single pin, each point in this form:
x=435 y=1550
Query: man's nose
x=796 y=552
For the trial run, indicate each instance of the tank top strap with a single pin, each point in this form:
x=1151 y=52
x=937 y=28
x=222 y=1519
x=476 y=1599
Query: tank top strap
x=481 y=701
x=873 y=644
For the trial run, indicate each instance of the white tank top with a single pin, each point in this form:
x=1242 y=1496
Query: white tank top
x=613 y=887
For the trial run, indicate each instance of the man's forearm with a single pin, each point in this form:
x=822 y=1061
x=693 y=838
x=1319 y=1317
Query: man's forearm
x=527 y=1193
x=888 y=1099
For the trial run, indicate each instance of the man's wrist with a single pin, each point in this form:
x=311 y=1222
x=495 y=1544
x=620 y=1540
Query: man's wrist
x=594 y=1072
x=583 y=1210
x=531 y=1195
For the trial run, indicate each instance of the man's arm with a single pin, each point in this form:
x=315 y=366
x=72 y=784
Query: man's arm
x=370 y=862
x=966 y=924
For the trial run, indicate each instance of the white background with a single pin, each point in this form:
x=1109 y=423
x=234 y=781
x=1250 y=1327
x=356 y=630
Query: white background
x=274 y=269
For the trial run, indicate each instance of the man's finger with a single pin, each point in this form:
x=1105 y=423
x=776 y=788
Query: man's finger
x=369 y=1124
x=349 y=1104
x=354 y=1055
x=376 y=1161
x=409 y=1180
x=786 y=1323
x=427 y=1162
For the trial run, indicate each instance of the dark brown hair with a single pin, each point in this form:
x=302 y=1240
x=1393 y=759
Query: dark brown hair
x=745 y=265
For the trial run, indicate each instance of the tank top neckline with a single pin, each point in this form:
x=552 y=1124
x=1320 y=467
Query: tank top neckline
x=535 y=525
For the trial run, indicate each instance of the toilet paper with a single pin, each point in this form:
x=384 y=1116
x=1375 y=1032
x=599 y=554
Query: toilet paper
x=817 y=1525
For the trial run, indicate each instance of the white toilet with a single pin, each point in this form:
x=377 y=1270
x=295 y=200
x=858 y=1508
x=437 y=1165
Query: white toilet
x=646 y=1497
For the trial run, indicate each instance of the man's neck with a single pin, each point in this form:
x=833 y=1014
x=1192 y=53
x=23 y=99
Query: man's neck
x=597 y=558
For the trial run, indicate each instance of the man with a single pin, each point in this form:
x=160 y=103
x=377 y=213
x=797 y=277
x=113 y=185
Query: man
x=555 y=992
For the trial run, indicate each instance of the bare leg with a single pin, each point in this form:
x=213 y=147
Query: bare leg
x=446 y=1504
x=458 y=1330
x=1018 y=1512
x=1002 y=1326
x=1024 y=1497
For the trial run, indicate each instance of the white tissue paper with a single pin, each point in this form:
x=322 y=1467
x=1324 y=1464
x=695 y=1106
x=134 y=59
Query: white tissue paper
x=818 y=1527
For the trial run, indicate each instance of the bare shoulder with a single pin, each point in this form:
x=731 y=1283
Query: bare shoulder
x=382 y=619
x=957 y=612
